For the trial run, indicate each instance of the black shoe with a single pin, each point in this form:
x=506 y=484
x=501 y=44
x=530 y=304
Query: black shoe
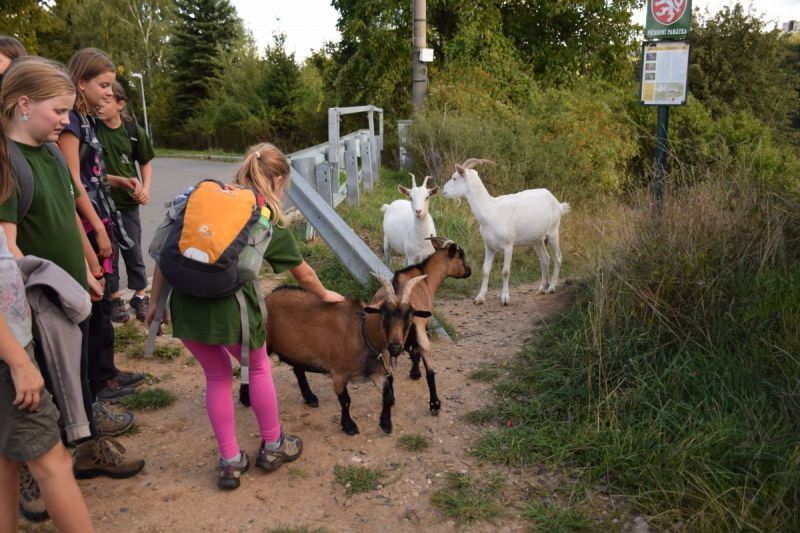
x=118 y=312
x=129 y=379
x=113 y=391
x=139 y=305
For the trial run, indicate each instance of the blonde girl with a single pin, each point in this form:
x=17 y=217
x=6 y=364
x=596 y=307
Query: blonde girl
x=211 y=330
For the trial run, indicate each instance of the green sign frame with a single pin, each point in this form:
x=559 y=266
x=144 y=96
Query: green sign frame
x=668 y=19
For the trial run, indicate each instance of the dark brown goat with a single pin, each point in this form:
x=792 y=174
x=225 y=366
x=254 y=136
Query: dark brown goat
x=345 y=339
x=447 y=261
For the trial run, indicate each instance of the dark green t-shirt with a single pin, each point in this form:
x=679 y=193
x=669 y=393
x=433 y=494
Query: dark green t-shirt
x=50 y=229
x=217 y=321
x=120 y=159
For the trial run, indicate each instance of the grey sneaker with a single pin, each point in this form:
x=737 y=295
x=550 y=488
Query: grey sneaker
x=31 y=504
x=290 y=449
x=108 y=422
x=229 y=473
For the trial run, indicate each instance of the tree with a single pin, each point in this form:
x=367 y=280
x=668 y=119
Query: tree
x=738 y=66
x=205 y=28
x=24 y=20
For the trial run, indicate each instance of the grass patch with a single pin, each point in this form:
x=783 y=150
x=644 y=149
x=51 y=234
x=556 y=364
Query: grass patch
x=674 y=378
x=468 y=500
x=127 y=335
x=296 y=472
x=161 y=352
x=485 y=373
x=448 y=327
x=414 y=442
x=148 y=399
x=135 y=429
x=546 y=518
x=484 y=415
x=358 y=479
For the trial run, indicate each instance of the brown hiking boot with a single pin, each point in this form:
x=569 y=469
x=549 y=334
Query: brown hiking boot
x=104 y=457
x=31 y=503
x=110 y=423
x=290 y=449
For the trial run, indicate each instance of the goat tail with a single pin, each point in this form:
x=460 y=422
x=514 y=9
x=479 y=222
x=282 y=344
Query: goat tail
x=565 y=208
x=244 y=394
x=384 y=207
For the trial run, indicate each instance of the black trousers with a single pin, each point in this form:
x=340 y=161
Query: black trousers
x=101 y=339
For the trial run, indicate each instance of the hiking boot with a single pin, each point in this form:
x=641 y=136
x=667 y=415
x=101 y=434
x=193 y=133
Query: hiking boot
x=113 y=391
x=129 y=379
x=290 y=449
x=229 y=472
x=104 y=457
x=118 y=312
x=110 y=423
x=31 y=503
x=139 y=305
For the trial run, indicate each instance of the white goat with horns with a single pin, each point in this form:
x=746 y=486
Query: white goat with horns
x=407 y=224
x=527 y=218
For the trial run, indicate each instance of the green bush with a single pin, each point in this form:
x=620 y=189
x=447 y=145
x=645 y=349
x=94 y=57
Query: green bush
x=675 y=377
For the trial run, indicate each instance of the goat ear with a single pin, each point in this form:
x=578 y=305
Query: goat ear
x=433 y=191
x=371 y=310
x=451 y=251
x=403 y=190
x=422 y=314
x=461 y=170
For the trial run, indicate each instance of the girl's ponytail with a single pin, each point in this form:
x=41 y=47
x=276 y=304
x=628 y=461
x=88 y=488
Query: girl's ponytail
x=262 y=164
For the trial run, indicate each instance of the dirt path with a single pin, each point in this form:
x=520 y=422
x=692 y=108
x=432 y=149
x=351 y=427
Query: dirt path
x=177 y=490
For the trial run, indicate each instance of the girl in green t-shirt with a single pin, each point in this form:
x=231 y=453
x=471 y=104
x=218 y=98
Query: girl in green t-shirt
x=211 y=330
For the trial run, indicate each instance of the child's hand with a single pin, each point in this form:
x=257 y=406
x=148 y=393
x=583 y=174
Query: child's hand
x=28 y=383
x=144 y=196
x=96 y=288
x=332 y=297
x=103 y=244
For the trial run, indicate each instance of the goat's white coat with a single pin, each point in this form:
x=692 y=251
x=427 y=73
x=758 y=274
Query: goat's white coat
x=527 y=218
x=406 y=225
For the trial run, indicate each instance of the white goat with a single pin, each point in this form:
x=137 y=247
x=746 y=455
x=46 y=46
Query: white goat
x=407 y=224
x=527 y=218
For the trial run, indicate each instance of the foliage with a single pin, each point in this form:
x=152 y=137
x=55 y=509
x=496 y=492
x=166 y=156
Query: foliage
x=148 y=399
x=414 y=442
x=737 y=66
x=25 y=19
x=674 y=378
x=549 y=518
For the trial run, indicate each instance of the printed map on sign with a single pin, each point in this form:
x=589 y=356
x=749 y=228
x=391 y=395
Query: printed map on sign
x=665 y=67
x=668 y=19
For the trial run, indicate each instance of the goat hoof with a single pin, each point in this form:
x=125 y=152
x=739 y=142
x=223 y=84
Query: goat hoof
x=313 y=403
x=435 y=407
x=351 y=430
x=550 y=290
x=415 y=375
x=478 y=301
x=387 y=429
x=434 y=411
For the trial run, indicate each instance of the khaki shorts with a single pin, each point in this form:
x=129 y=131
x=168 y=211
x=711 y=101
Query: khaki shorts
x=25 y=435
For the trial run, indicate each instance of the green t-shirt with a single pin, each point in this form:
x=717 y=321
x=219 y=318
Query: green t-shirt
x=120 y=160
x=50 y=229
x=217 y=321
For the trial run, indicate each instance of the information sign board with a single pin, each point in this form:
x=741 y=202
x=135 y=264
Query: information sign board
x=665 y=70
x=668 y=19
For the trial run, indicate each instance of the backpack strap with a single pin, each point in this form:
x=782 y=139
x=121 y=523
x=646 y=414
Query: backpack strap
x=133 y=137
x=161 y=305
x=86 y=136
x=25 y=181
x=24 y=175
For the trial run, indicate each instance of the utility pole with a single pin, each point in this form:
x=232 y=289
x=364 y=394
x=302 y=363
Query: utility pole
x=419 y=73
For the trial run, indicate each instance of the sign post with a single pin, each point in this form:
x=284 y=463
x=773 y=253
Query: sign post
x=664 y=80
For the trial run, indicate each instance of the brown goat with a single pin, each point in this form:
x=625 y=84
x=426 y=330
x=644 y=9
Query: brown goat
x=345 y=340
x=447 y=261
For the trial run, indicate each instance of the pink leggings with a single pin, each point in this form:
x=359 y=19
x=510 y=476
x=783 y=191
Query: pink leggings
x=219 y=400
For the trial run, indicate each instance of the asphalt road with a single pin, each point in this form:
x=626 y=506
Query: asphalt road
x=170 y=178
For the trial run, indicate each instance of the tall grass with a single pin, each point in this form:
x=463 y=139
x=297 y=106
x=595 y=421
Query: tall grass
x=676 y=377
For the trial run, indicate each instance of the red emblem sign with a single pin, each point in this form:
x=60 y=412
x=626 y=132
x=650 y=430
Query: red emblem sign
x=668 y=11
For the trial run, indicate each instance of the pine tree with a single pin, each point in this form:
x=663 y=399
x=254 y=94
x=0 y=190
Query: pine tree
x=204 y=29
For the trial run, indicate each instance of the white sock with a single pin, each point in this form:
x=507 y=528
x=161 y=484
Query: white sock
x=235 y=459
x=274 y=445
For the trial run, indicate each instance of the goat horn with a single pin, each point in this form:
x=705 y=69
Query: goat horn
x=409 y=286
x=425 y=181
x=438 y=242
x=387 y=284
x=413 y=180
x=471 y=162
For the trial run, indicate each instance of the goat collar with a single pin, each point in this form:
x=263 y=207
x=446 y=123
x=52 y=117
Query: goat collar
x=371 y=350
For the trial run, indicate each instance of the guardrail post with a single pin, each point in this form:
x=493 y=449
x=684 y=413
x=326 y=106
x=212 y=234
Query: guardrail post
x=322 y=173
x=367 y=170
x=376 y=153
x=333 y=151
x=305 y=167
x=351 y=170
